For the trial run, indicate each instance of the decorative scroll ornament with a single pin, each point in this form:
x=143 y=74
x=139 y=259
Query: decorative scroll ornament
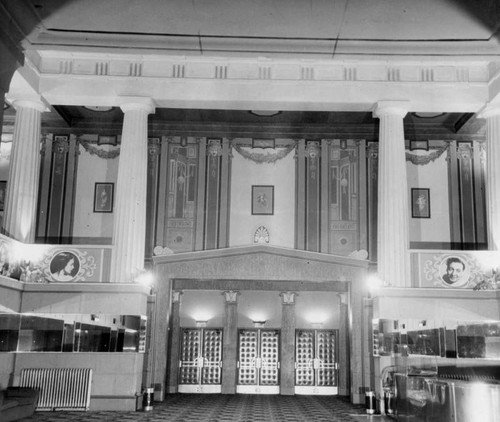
x=422 y=160
x=269 y=156
x=93 y=149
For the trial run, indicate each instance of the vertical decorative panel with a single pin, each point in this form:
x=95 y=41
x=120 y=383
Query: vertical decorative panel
x=344 y=203
x=70 y=189
x=57 y=184
x=454 y=196
x=466 y=169
x=200 y=203
x=480 y=192
x=300 y=211
x=372 y=171
x=313 y=186
x=154 y=151
x=213 y=179
x=182 y=179
x=466 y=184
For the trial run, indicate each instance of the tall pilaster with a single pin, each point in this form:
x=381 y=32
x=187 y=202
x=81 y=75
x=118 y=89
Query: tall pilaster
x=288 y=325
x=130 y=217
x=175 y=338
x=492 y=116
x=22 y=187
x=392 y=234
x=230 y=346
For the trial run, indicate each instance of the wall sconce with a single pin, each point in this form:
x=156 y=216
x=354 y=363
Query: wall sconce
x=317 y=325
x=94 y=317
x=259 y=324
x=201 y=324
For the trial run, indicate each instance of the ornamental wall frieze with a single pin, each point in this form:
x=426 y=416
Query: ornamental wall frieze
x=124 y=66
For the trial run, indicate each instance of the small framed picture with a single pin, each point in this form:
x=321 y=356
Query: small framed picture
x=103 y=197
x=3 y=192
x=420 y=203
x=262 y=200
x=107 y=140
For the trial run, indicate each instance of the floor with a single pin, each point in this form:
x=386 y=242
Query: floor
x=229 y=408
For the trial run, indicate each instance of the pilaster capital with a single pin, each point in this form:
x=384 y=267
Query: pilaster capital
x=176 y=296
x=288 y=298
x=231 y=296
x=145 y=104
x=489 y=110
x=394 y=108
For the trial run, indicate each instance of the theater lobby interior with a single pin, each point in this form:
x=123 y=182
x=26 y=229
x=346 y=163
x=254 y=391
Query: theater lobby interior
x=250 y=210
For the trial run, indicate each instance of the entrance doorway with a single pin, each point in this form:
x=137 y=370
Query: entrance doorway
x=200 y=366
x=316 y=368
x=258 y=361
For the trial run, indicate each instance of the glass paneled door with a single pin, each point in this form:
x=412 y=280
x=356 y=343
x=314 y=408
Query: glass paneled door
x=200 y=367
x=316 y=369
x=258 y=361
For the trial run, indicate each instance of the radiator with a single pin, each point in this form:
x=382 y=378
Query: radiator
x=60 y=388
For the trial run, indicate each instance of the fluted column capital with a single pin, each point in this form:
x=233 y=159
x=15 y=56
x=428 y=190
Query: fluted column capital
x=137 y=104
x=31 y=103
x=391 y=108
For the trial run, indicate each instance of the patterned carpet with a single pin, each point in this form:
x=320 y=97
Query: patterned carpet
x=226 y=408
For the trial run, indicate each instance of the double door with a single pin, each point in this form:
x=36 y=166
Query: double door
x=200 y=366
x=258 y=361
x=316 y=368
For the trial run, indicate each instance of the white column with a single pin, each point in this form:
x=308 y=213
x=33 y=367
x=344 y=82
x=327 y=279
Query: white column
x=24 y=171
x=492 y=116
x=129 y=229
x=392 y=220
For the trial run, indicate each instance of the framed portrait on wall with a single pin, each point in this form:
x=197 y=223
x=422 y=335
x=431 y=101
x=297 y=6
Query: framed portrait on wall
x=103 y=197
x=420 y=203
x=262 y=200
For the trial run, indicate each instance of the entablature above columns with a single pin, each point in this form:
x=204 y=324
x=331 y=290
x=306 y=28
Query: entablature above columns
x=251 y=83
